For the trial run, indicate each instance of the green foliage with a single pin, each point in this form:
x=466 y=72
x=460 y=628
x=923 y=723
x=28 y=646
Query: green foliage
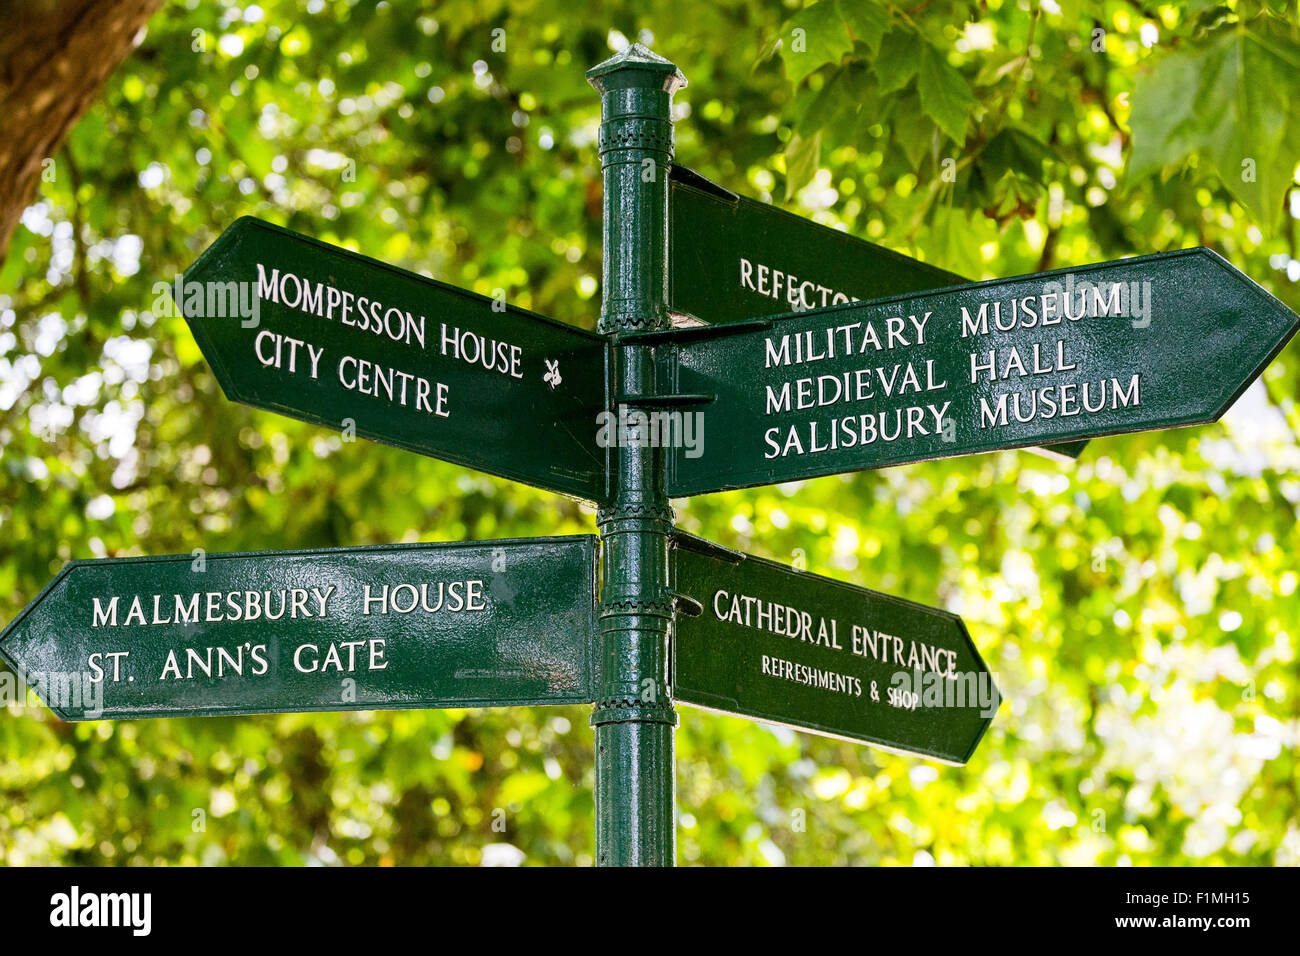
x=1227 y=96
x=1140 y=608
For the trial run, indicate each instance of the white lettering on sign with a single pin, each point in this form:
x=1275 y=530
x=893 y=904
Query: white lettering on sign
x=856 y=338
x=282 y=351
x=308 y=659
x=492 y=355
x=800 y=294
x=856 y=431
x=1111 y=300
x=905 y=391
x=393 y=385
x=215 y=661
x=386 y=383
x=859 y=385
x=211 y=607
x=892 y=649
x=810 y=676
x=1009 y=362
x=1061 y=401
x=329 y=302
x=250 y=659
x=775 y=618
x=820 y=630
x=453 y=597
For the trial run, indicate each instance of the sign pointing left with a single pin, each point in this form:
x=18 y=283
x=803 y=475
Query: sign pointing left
x=484 y=624
x=315 y=332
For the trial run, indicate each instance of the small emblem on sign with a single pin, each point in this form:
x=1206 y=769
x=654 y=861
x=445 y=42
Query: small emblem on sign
x=552 y=376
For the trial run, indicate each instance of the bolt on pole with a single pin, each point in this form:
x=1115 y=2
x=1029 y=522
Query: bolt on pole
x=634 y=718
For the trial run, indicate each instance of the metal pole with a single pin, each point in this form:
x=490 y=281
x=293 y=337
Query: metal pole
x=634 y=718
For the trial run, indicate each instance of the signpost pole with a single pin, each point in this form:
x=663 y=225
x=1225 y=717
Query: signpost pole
x=634 y=719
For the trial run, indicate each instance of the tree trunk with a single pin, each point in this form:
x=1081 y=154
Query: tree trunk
x=54 y=57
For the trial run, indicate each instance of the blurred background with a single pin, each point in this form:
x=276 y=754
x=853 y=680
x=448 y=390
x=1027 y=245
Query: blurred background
x=1139 y=607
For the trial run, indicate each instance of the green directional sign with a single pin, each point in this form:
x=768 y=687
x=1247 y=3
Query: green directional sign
x=797 y=649
x=1150 y=342
x=318 y=333
x=483 y=624
x=733 y=259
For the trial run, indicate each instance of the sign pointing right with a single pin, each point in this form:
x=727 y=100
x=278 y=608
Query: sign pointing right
x=733 y=259
x=792 y=648
x=1150 y=342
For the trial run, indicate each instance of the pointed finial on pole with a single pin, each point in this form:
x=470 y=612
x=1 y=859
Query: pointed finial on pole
x=633 y=67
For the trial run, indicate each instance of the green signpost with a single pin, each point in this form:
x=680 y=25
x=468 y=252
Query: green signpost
x=318 y=333
x=940 y=369
x=426 y=625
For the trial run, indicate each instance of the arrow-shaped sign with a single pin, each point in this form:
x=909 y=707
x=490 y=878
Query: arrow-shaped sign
x=482 y=624
x=318 y=333
x=1151 y=342
x=733 y=259
x=788 y=647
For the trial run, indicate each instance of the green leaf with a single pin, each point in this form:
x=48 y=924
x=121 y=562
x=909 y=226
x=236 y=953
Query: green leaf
x=1250 y=98
x=896 y=64
x=1162 y=113
x=914 y=131
x=833 y=102
x=1238 y=115
x=954 y=245
x=993 y=71
x=945 y=95
x=867 y=21
x=802 y=156
x=1017 y=151
x=813 y=37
